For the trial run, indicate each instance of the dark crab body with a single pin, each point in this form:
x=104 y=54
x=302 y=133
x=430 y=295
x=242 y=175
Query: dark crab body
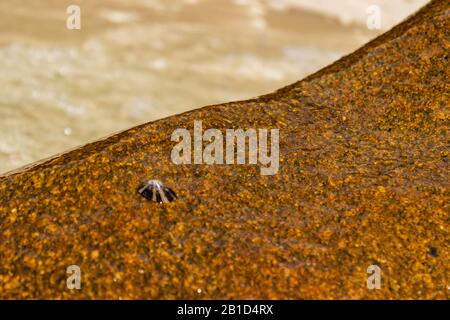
x=154 y=190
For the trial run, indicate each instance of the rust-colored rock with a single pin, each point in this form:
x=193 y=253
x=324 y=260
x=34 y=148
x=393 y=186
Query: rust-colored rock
x=363 y=180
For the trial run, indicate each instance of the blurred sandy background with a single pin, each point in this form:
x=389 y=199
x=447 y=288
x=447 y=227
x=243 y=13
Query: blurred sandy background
x=134 y=61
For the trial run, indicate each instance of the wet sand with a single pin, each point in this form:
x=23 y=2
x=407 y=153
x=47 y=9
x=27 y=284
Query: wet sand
x=363 y=180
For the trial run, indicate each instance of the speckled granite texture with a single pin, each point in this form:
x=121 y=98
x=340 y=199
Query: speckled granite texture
x=363 y=180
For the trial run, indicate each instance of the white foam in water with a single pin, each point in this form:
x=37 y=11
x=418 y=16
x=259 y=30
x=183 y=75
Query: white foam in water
x=353 y=11
x=140 y=60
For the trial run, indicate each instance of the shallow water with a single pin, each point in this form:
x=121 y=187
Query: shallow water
x=136 y=61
